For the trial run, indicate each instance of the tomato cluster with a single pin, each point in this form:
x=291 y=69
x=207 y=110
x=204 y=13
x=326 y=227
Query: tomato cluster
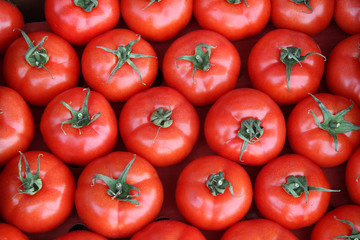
x=181 y=119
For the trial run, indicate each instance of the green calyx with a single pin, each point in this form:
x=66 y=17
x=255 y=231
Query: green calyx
x=305 y=2
x=292 y=55
x=250 y=132
x=237 y=2
x=295 y=186
x=118 y=188
x=334 y=124
x=32 y=183
x=86 y=5
x=124 y=55
x=217 y=184
x=355 y=235
x=201 y=58
x=80 y=118
x=151 y=2
x=161 y=118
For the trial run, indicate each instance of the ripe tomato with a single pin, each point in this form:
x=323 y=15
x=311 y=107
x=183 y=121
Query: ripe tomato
x=119 y=64
x=292 y=191
x=286 y=65
x=8 y=232
x=81 y=235
x=310 y=17
x=341 y=223
x=118 y=194
x=79 y=125
x=246 y=126
x=80 y=21
x=16 y=124
x=202 y=65
x=212 y=192
x=257 y=229
x=168 y=229
x=233 y=18
x=343 y=69
x=352 y=176
x=42 y=197
x=160 y=125
x=157 y=20
x=324 y=128
x=41 y=62
x=347 y=15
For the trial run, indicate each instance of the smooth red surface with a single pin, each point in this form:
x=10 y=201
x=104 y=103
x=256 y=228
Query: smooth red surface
x=347 y=15
x=9 y=232
x=352 y=176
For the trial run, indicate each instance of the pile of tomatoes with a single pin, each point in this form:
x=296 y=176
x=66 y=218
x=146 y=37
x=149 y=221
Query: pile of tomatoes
x=216 y=119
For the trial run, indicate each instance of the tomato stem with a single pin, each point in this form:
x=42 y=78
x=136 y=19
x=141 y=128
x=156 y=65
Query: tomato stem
x=250 y=132
x=86 y=5
x=355 y=235
x=237 y=2
x=217 y=184
x=151 y=2
x=306 y=2
x=161 y=118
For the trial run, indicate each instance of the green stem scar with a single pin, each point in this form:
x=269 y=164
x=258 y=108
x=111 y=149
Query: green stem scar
x=355 y=235
x=250 y=132
x=151 y=2
x=86 y=5
x=237 y=2
x=305 y=2
x=217 y=184
x=161 y=118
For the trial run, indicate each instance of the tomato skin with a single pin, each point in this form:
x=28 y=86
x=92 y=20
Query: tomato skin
x=268 y=74
x=352 y=176
x=74 y=146
x=234 y=21
x=8 y=232
x=81 y=235
x=171 y=145
x=63 y=63
x=347 y=15
x=110 y=217
x=343 y=69
x=327 y=228
x=160 y=21
x=205 y=211
x=211 y=84
x=307 y=139
x=77 y=26
x=47 y=208
x=97 y=64
x=224 y=118
x=297 y=17
x=249 y=229
x=168 y=229
x=275 y=204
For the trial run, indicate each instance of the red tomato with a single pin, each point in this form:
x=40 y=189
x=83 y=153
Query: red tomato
x=10 y=19
x=202 y=65
x=168 y=229
x=41 y=62
x=274 y=68
x=16 y=124
x=8 y=232
x=233 y=19
x=157 y=20
x=257 y=229
x=79 y=126
x=310 y=17
x=341 y=223
x=118 y=194
x=352 y=176
x=330 y=141
x=43 y=198
x=343 y=69
x=80 y=21
x=81 y=235
x=112 y=72
x=213 y=193
x=300 y=176
x=246 y=126
x=160 y=125
x=347 y=15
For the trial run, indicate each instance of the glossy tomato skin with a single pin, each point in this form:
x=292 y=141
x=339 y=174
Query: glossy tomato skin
x=29 y=81
x=257 y=229
x=268 y=74
x=204 y=210
x=160 y=21
x=298 y=17
x=275 y=204
x=78 y=26
x=307 y=139
x=347 y=15
x=168 y=229
x=234 y=21
x=47 y=208
x=81 y=235
x=161 y=146
x=79 y=146
x=97 y=65
x=8 y=232
x=327 y=228
x=352 y=174
x=111 y=217
x=224 y=119
x=16 y=124
x=343 y=69
x=207 y=86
